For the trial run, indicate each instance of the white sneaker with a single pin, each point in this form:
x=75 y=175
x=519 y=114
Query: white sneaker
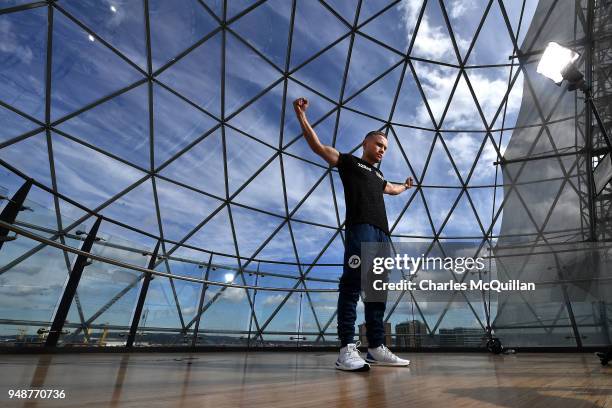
x=382 y=356
x=350 y=360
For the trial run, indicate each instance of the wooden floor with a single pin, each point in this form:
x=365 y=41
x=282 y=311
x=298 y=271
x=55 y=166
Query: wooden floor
x=307 y=379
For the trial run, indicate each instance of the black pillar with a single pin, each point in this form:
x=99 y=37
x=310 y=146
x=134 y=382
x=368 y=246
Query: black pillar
x=71 y=287
x=15 y=204
x=141 y=298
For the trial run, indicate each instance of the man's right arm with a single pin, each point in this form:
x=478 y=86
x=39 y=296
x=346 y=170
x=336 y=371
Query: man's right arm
x=327 y=153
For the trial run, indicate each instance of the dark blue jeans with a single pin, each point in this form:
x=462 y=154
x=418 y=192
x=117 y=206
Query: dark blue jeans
x=350 y=287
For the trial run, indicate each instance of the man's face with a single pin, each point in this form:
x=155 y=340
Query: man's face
x=374 y=147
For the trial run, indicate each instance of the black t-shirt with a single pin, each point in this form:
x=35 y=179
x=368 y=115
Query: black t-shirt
x=363 y=192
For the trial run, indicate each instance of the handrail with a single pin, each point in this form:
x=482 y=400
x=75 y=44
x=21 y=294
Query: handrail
x=58 y=245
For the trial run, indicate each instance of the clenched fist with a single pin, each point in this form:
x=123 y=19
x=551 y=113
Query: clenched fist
x=300 y=105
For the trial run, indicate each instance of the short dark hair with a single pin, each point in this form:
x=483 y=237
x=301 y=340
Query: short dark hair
x=374 y=133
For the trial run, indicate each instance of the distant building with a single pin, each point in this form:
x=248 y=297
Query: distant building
x=461 y=337
x=362 y=334
x=410 y=334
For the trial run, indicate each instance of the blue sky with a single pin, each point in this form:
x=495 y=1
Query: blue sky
x=188 y=101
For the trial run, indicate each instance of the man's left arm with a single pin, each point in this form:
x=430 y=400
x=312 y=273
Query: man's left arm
x=395 y=189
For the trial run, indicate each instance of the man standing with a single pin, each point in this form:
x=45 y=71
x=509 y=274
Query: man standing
x=366 y=221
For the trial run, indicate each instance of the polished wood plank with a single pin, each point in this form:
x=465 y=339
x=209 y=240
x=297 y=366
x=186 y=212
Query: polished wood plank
x=283 y=379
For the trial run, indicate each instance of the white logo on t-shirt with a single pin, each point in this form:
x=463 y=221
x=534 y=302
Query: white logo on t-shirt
x=363 y=166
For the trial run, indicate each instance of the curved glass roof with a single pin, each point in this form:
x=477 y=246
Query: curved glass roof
x=173 y=121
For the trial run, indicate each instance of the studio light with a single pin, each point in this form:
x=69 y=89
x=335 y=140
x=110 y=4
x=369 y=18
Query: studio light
x=558 y=63
x=555 y=61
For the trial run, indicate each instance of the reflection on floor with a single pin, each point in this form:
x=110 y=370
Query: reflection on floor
x=283 y=379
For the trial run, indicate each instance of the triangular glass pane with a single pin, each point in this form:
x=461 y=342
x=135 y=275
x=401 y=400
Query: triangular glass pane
x=386 y=28
x=462 y=112
x=346 y=8
x=33 y=290
x=352 y=128
x=245 y=157
x=175 y=27
x=237 y=6
x=439 y=202
x=22 y=66
x=286 y=320
x=310 y=14
x=40 y=206
x=176 y=124
x=416 y=145
x=108 y=294
x=369 y=8
x=300 y=177
x=325 y=304
x=482 y=198
x=78 y=60
x=300 y=147
x=231 y=311
x=30 y=156
x=490 y=86
x=465 y=16
x=319 y=206
x=267 y=302
x=201 y=166
x=317 y=108
x=78 y=171
x=13 y=125
x=493 y=44
x=464 y=148
x=265 y=192
x=246 y=74
x=310 y=323
x=267 y=29
x=215 y=235
x=181 y=209
x=433 y=41
x=462 y=221
x=334 y=253
x=309 y=248
x=414 y=221
x=325 y=73
x=280 y=248
x=515 y=10
x=216 y=6
x=121 y=23
x=160 y=309
x=119 y=126
x=485 y=170
x=437 y=82
x=377 y=99
x=262 y=118
x=136 y=208
x=252 y=229
x=440 y=170
x=197 y=76
x=410 y=109
x=368 y=61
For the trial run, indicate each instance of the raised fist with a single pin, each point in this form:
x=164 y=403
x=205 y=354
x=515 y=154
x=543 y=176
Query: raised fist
x=300 y=105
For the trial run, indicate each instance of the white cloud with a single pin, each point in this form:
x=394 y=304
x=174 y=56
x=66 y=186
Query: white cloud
x=273 y=300
x=234 y=295
x=433 y=41
x=10 y=43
